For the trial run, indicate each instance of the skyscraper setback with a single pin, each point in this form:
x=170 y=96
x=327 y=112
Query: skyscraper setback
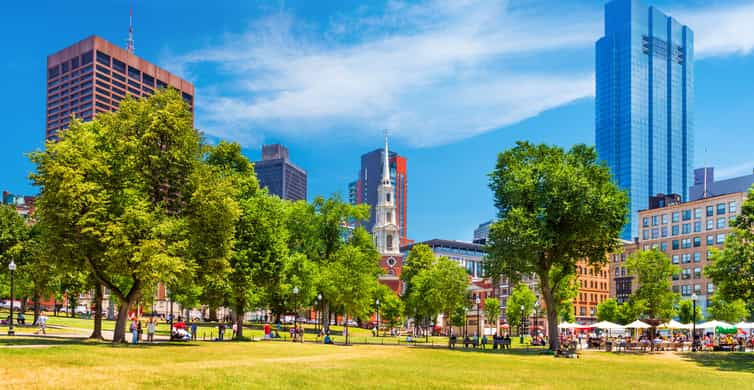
x=94 y=75
x=644 y=98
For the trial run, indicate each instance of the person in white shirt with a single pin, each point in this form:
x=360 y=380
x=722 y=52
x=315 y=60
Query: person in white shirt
x=41 y=322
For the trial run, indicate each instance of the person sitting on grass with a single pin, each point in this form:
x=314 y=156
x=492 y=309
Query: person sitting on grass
x=21 y=319
x=328 y=340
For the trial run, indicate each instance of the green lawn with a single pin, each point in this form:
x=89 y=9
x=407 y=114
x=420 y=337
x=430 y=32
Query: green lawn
x=70 y=364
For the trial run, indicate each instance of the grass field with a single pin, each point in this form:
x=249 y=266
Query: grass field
x=75 y=364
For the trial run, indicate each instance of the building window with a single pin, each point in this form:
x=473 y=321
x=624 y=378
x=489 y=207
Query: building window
x=103 y=58
x=676 y=217
x=697 y=242
x=675 y=244
x=86 y=58
x=710 y=240
x=720 y=208
x=655 y=233
x=161 y=84
x=721 y=223
x=686 y=228
x=676 y=230
x=686 y=258
x=119 y=66
x=686 y=215
x=710 y=223
x=53 y=72
x=732 y=207
x=645 y=234
x=134 y=73
x=654 y=220
x=710 y=211
x=664 y=231
x=389 y=241
x=698 y=213
x=697 y=226
x=675 y=259
x=686 y=243
x=685 y=290
x=721 y=238
x=697 y=257
x=149 y=80
x=710 y=288
x=664 y=219
x=664 y=246
x=697 y=273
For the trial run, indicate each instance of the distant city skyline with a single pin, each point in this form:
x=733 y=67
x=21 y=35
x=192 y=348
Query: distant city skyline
x=450 y=112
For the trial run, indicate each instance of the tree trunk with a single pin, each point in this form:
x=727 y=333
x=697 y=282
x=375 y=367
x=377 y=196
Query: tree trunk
x=37 y=304
x=97 y=333
x=119 y=335
x=552 y=313
x=239 y=322
x=213 y=313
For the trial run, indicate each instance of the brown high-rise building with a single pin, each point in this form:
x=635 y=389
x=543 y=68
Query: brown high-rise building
x=94 y=75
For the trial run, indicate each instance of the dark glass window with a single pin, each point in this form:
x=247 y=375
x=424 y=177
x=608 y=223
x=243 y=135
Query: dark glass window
x=133 y=91
x=161 y=84
x=103 y=69
x=188 y=98
x=119 y=77
x=104 y=78
x=117 y=84
x=147 y=90
x=119 y=66
x=133 y=83
x=118 y=91
x=134 y=73
x=102 y=84
x=75 y=63
x=103 y=58
x=64 y=67
x=101 y=105
x=102 y=91
x=148 y=80
x=53 y=72
x=86 y=58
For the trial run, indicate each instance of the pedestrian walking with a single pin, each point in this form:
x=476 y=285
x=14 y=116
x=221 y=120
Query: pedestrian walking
x=194 y=329
x=151 y=327
x=134 y=332
x=42 y=323
x=235 y=329
x=220 y=331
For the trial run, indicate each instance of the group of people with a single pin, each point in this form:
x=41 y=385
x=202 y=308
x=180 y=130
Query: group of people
x=498 y=341
x=137 y=329
x=41 y=321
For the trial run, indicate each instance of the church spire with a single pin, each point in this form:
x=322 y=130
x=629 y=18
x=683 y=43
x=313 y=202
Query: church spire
x=386 y=164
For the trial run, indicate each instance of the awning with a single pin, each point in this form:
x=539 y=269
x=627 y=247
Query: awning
x=638 y=325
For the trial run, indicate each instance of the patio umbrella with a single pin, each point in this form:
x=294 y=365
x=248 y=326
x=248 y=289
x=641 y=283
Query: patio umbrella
x=638 y=325
x=567 y=325
x=744 y=325
x=607 y=325
x=713 y=324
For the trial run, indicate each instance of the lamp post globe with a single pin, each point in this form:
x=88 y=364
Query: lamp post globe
x=693 y=322
x=295 y=308
x=521 y=333
x=12 y=269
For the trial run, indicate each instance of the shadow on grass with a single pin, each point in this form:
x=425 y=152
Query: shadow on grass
x=51 y=340
x=723 y=361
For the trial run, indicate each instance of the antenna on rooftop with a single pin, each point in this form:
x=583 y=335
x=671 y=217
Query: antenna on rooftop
x=130 y=42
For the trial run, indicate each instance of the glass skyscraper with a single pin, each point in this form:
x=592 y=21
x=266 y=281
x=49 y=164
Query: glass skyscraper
x=644 y=103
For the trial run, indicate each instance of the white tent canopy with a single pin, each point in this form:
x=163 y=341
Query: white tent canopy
x=745 y=325
x=673 y=324
x=713 y=324
x=638 y=325
x=607 y=325
x=567 y=325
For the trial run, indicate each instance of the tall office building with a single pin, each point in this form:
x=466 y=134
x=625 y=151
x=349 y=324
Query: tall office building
x=279 y=175
x=94 y=75
x=705 y=185
x=644 y=100
x=364 y=189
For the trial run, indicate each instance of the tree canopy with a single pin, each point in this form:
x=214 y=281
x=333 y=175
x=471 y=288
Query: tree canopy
x=654 y=271
x=555 y=208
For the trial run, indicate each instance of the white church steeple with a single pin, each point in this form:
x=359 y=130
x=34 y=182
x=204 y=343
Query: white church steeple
x=385 y=231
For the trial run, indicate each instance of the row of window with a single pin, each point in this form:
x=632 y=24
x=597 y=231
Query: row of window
x=686 y=215
x=687 y=228
x=71 y=64
x=686 y=289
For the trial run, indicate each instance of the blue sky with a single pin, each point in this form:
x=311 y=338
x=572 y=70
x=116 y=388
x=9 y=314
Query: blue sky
x=454 y=82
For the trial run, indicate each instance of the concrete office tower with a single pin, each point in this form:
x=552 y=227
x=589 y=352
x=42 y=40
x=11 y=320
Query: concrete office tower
x=94 y=75
x=279 y=175
x=644 y=103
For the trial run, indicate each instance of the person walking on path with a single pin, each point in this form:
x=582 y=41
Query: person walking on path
x=194 y=328
x=42 y=323
x=134 y=332
x=151 y=326
x=220 y=331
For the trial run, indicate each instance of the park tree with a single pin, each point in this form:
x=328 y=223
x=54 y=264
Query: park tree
x=731 y=311
x=732 y=269
x=390 y=308
x=114 y=195
x=13 y=231
x=419 y=258
x=654 y=272
x=521 y=296
x=685 y=312
x=607 y=310
x=555 y=208
x=352 y=277
x=492 y=311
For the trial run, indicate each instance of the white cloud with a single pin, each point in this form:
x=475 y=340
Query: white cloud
x=431 y=72
x=730 y=171
x=721 y=31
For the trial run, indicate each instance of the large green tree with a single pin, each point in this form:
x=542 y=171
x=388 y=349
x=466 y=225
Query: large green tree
x=492 y=311
x=732 y=269
x=555 y=208
x=722 y=309
x=607 y=310
x=118 y=198
x=390 y=307
x=654 y=271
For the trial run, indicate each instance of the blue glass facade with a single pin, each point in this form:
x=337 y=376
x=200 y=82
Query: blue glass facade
x=644 y=99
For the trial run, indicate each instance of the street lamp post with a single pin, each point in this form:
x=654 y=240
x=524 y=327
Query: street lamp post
x=295 y=308
x=377 y=302
x=12 y=268
x=478 y=318
x=693 y=322
x=321 y=314
x=536 y=317
x=521 y=333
